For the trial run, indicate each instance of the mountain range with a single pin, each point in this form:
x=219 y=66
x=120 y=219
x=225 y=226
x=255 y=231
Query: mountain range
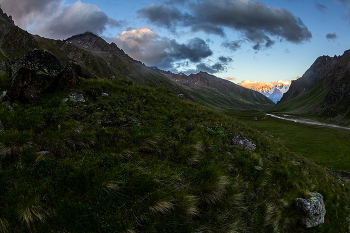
x=272 y=90
x=102 y=60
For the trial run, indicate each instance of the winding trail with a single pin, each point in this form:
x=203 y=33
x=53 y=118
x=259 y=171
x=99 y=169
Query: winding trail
x=309 y=122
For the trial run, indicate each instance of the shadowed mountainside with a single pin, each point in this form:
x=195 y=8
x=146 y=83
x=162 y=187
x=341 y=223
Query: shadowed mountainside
x=324 y=89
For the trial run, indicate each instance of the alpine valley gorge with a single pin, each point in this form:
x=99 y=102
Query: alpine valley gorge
x=92 y=140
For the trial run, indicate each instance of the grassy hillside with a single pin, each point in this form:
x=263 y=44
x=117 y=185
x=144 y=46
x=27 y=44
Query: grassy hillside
x=143 y=160
x=304 y=103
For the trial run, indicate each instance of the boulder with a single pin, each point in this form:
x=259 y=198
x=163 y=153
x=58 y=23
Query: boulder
x=75 y=97
x=243 y=142
x=312 y=210
x=70 y=76
x=33 y=74
x=3 y=96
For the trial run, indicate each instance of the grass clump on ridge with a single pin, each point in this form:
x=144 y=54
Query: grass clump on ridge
x=142 y=160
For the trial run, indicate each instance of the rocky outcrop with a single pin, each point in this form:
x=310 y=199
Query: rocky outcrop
x=6 y=17
x=243 y=142
x=33 y=74
x=312 y=210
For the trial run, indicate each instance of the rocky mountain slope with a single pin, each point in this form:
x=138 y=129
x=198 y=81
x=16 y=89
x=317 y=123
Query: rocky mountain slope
x=323 y=90
x=272 y=90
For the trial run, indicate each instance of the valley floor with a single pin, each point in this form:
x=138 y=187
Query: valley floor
x=326 y=144
x=308 y=121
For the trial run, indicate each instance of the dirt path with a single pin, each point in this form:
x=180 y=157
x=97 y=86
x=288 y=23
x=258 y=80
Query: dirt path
x=309 y=122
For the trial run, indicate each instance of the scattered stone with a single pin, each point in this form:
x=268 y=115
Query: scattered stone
x=241 y=141
x=340 y=174
x=3 y=96
x=312 y=210
x=181 y=96
x=104 y=94
x=70 y=76
x=44 y=152
x=76 y=97
x=33 y=74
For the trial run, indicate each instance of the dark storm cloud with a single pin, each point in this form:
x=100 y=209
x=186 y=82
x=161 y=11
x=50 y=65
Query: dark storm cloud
x=163 y=15
x=225 y=60
x=269 y=43
x=321 y=8
x=232 y=45
x=331 y=36
x=219 y=66
x=48 y=18
x=257 y=46
x=253 y=19
x=195 y=50
x=145 y=45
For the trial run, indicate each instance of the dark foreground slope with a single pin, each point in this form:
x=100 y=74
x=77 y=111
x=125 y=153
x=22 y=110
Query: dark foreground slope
x=143 y=160
x=100 y=59
x=323 y=90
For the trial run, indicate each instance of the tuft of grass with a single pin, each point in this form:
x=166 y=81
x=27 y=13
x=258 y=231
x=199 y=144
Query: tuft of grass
x=162 y=207
x=33 y=213
x=4 y=225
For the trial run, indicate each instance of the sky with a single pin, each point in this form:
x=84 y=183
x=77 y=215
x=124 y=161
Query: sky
x=239 y=40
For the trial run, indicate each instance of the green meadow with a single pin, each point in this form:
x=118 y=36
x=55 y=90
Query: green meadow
x=326 y=146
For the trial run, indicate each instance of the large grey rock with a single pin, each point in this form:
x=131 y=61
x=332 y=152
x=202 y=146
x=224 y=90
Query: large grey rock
x=33 y=74
x=312 y=210
x=243 y=142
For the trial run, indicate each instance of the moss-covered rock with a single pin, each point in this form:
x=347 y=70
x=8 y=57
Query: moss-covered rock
x=33 y=74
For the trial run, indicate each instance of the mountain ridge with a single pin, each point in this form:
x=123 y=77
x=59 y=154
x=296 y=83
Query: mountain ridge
x=100 y=59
